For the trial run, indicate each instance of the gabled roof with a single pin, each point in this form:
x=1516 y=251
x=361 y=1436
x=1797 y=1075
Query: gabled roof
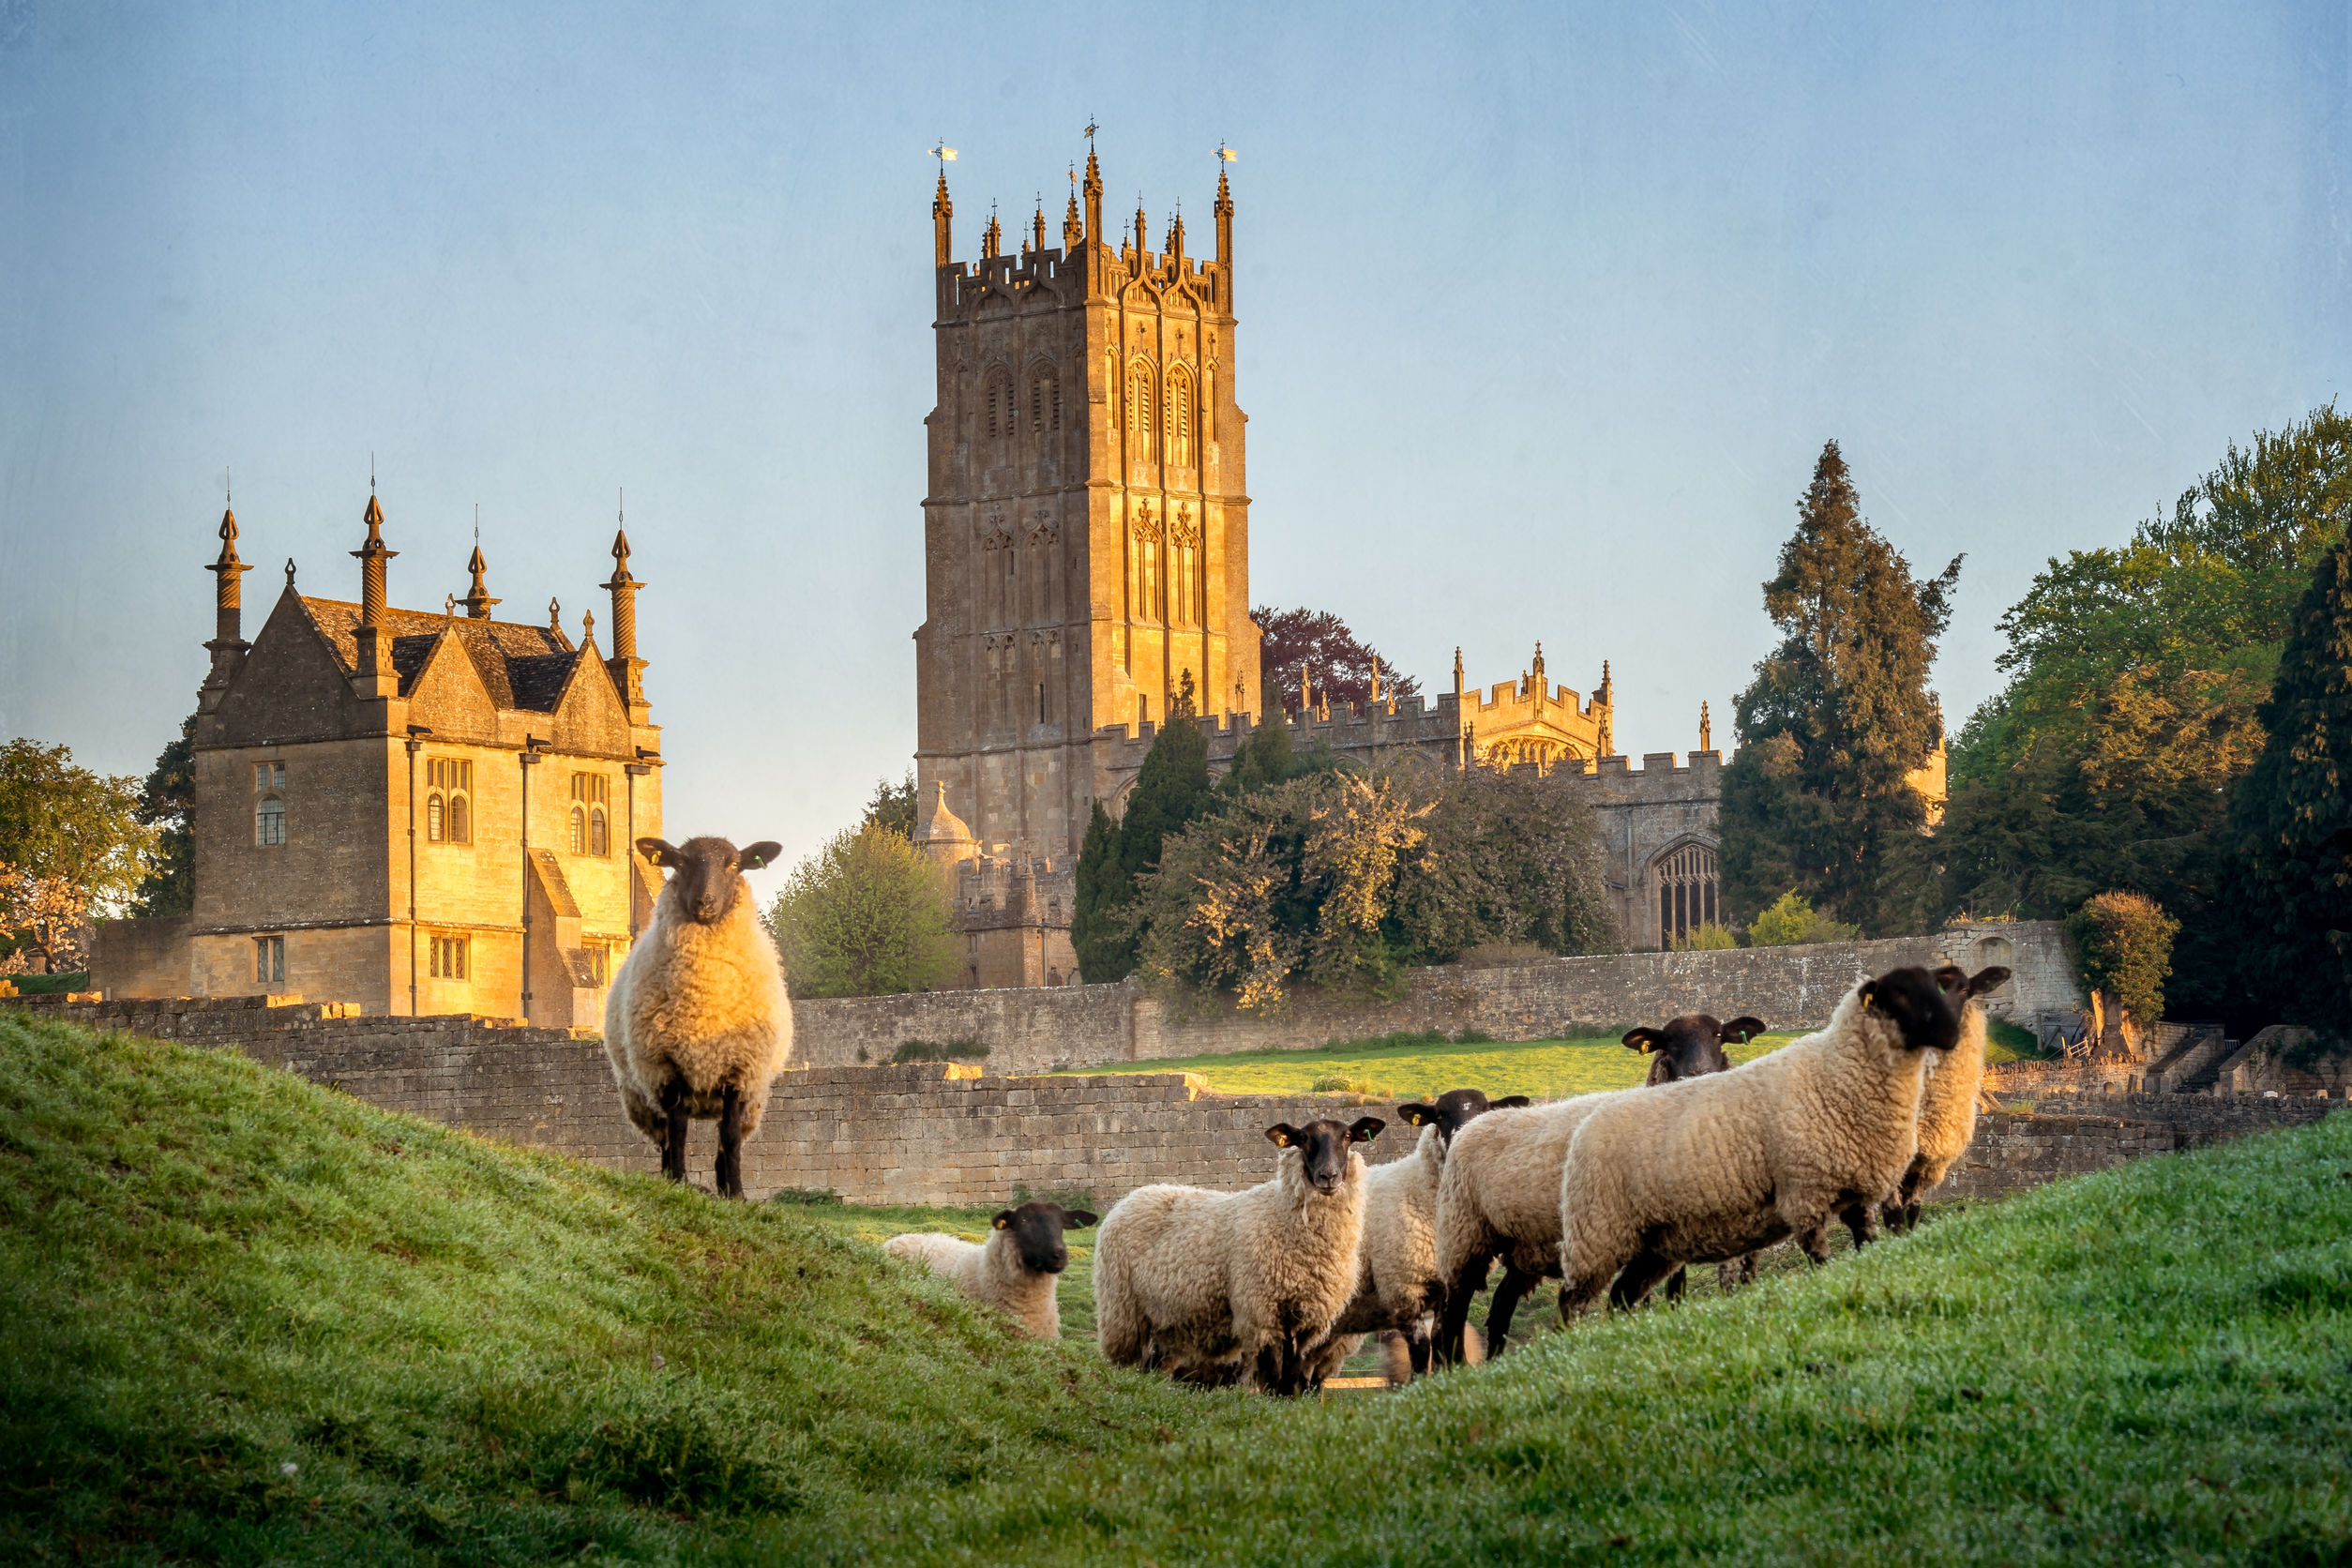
x=521 y=666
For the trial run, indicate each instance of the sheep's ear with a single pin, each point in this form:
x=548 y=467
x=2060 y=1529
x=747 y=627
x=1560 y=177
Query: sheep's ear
x=1867 y=993
x=1953 y=982
x=1417 y=1115
x=1078 y=1219
x=1644 y=1040
x=759 y=856
x=1739 y=1031
x=1003 y=1218
x=1509 y=1102
x=1985 y=980
x=660 y=852
x=1366 y=1129
x=1283 y=1134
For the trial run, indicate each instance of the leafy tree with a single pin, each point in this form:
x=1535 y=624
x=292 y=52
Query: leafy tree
x=893 y=808
x=2123 y=952
x=1339 y=663
x=1514 y=857
x=72 y=841
x=865 y=915
x=2133 y=710
x=167 y=803
x=1792 y=922
x=1819 y=798
x=1170 y=790
x=1707 y=937
x=2292 y=818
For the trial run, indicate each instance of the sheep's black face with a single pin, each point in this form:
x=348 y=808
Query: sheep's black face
x=1922 y=1006
x=707 y=872
x=1690 y=1046
x=1036 y=1229
x=1324 y=1146
x=1454 y=1109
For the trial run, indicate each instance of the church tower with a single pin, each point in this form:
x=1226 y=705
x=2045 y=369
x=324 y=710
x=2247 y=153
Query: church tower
x=1086 y=535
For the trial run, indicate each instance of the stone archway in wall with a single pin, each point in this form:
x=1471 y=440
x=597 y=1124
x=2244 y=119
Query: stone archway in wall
x=1688 y=884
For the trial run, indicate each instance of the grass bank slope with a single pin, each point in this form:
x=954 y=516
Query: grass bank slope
x=2153 y=1364
x=246 y=1319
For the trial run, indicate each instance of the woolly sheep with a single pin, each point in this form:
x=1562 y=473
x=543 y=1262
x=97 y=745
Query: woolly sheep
x=1728 y=1163
x=697 y=1024
x=1226 y=1287
x=1013 y=1270
x=1686 y=1047
x=1397 y=1289
x=1499 y=1194
x=1947 y=1106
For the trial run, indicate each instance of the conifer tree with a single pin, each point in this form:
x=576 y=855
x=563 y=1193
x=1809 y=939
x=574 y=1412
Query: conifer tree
x=1817 y=800
x=167 y=804
x=1170 y=790
x=2292 y=816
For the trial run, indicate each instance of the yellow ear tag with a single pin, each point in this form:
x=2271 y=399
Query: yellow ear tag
x=1282 y=1140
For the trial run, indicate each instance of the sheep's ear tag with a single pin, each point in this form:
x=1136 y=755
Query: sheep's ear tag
x=1869 y=993
x=1281 y=1137
x=1000 y=1222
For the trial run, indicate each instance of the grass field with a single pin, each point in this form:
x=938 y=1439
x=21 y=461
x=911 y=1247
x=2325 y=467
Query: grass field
x=246 y=1319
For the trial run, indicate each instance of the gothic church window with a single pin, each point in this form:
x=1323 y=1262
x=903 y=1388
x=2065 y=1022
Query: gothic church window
x=1180 y=417
x=998 y=400
x=1688 y=892
x=1209 y=402
x=1044 y=403
x=1141 y=382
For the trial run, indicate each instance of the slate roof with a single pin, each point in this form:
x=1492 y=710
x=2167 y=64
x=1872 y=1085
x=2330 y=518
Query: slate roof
x=523 y=667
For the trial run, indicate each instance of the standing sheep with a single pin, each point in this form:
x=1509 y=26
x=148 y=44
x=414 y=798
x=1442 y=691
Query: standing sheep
x=1213 y=1287
x=1687 y=1047
x=1724 y=1164
x=1499 y=1194
x=1013 y=1270
x=697 y=1024
x=1947 y=1106
x=1398 y=1289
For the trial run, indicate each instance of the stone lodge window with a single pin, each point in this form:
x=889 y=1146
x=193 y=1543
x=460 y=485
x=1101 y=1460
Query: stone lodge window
x=449 y=957
x=1686 y=893
x=591 y=795
x=270 y=822
x=269 y=960
x=448 y=806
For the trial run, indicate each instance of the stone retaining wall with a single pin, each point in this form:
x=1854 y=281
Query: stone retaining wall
x=1085 y=1026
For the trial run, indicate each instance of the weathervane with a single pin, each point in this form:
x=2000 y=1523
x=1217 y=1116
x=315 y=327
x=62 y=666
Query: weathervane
x=944 y=153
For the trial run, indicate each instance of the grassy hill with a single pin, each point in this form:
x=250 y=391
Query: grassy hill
x=210 y=1272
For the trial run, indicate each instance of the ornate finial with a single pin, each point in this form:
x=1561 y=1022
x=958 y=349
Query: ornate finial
x=1375 y=677
x=942 y=209
x=1072 y=227
x=449 y=606
x=1142 y=232
x=1706 y=730
x=371 y=556
x=1038 y=226
x=289 y=571
x=478 y=600
x=587 y=627
x=554 y=616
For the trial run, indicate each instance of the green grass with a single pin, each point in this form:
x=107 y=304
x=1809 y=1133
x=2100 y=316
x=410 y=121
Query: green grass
x=209 y=1270
x=49 y=985
x=1408 y=1066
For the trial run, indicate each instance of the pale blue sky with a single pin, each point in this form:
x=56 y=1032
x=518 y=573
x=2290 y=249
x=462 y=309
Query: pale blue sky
x=1545 y=314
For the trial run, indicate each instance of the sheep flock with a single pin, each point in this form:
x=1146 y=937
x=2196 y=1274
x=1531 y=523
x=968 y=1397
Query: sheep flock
x=1273 y=1287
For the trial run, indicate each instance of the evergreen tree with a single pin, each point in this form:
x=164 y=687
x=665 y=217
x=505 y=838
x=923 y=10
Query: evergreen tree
x=2292 y=817
x=892 y=810
x=167 y=804
x=1170 y=790
x=1818 y=799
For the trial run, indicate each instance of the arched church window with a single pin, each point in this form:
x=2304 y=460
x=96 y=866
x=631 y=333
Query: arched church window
x=435 y=818
x=1044 y=403
x=579 y=830
x=998 y=400
x=1688 y=892
x=598 y=842
x=1141 y=382
x=460 y=825
x=1180 y=417
x=1209 y=402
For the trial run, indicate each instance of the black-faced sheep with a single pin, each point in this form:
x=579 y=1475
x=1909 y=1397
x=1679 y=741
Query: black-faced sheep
x=697 y=1024
x=1687 y=1047
x=1013 y=1270
x=1224 y=1286
x=1728 y=1163
x=1947 y=1106
x=1397 y=1288
x=1498 y=1197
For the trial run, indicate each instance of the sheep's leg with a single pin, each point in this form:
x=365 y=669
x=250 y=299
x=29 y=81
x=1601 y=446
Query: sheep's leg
x=1857 y=1219
x=674 y=1146
x=1454 y=1314
x=1815 y=1239
x=1676 y=1282
x=1580 y=1292
x=1641 y=1274
x=1731 y=1274
x=730 y=1172
x=1515 y=1285
x=1418 y=1346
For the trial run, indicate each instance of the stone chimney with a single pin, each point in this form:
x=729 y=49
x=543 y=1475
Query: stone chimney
x=228 y=646
x=375 y=676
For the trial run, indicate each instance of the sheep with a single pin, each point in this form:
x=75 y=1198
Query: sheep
x=1237 y=1287
x=1499 y=1194
x=1947 y=1106
x=697 y=1024
x=1397 y=1283
x=1013 y=1270
x=1728 y=1163
x=1686 y=1047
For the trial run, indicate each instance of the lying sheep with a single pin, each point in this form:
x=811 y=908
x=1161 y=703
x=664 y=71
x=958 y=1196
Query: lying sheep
x=1397 y=1289
x=697 y=1024
x=1013 y=1270
x=1499 y=1194
x=1947 y=1106
x=1237 y=1287
x=1728 y=1163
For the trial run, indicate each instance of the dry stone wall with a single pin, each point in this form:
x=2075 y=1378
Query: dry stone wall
x=1083 y=1026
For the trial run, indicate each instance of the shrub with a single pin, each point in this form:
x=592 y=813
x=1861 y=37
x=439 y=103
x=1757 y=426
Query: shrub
x=2124 y=947
x=933 y=1051
x=1791 y=921
x=1707 y=937
x=865 y=915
